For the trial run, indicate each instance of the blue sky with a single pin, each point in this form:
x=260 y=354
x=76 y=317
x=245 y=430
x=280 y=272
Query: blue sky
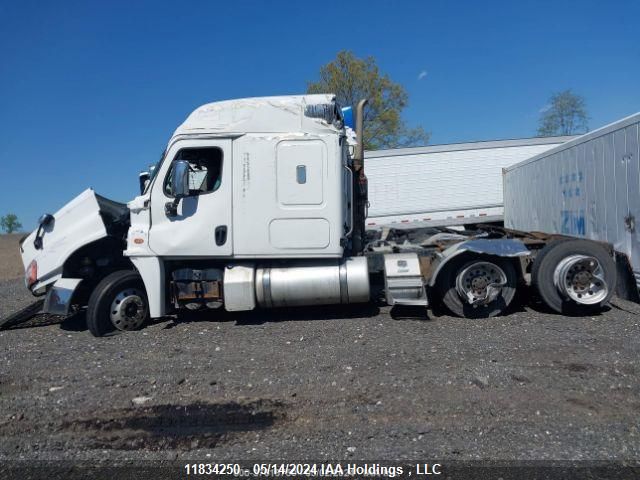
x=90 y=91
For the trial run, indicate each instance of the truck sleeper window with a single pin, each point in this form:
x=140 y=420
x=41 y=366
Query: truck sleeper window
x=205 y=170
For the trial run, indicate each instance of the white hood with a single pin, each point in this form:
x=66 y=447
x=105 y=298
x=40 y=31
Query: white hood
x=76 y=224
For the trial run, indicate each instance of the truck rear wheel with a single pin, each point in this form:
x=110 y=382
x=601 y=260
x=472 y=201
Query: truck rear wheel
x=118 y=302
x=574 y=276
x=474 y=286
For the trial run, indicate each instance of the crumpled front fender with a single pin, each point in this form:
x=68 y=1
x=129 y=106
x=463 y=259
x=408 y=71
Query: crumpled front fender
x=500 y=247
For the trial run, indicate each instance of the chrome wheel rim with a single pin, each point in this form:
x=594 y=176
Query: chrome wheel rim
x=480 y=283
x=581 y=278
x=128 y=309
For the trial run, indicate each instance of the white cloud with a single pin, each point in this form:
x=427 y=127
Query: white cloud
x=422 y=74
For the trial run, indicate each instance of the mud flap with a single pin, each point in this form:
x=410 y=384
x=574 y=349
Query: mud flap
x=626 y=287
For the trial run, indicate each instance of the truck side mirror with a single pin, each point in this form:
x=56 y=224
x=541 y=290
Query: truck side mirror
x=43 y=222
x=180 y=179
x=143 y=178
x=179 y=186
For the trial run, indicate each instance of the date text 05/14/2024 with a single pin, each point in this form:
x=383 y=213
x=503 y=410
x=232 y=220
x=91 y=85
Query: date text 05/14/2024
x=311 y=469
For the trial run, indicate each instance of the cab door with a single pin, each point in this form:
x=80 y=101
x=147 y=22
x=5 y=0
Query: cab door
x=201 y=224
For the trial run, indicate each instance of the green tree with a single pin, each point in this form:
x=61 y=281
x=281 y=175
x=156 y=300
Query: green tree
x=566 y=114
x=10 y=223
x=351 y=79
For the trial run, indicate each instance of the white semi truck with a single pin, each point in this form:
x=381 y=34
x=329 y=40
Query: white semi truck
x=260 y=203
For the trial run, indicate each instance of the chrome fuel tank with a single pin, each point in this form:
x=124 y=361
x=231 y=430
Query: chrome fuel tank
x=343 y=281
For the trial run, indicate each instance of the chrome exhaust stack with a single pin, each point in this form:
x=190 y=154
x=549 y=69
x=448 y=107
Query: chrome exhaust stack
x=358 y=157
x=360 y=184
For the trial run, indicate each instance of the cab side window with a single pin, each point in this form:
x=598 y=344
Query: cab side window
x=205 y=170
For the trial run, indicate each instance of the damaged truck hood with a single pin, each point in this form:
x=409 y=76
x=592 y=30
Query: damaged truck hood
x=85 y=219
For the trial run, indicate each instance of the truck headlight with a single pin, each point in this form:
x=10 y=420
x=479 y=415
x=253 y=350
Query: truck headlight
x=31 y=274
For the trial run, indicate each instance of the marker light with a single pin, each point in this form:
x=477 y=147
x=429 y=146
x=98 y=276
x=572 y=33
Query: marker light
x=31 y=275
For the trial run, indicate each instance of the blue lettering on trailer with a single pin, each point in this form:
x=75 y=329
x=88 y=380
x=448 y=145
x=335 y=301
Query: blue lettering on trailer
x=569 y=178
x=572 y=222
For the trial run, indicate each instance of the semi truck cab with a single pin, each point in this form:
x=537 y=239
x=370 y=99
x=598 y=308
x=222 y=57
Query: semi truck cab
x=247 y=180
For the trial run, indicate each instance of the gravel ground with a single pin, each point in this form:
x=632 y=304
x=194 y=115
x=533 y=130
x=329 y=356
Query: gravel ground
x=350 y=383
x=10 y=262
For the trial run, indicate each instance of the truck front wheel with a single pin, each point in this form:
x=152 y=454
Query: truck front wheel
x=477 y=286
x=118 y=302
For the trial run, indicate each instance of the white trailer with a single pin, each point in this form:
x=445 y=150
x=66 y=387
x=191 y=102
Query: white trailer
x=439 y=185
x=588 y=187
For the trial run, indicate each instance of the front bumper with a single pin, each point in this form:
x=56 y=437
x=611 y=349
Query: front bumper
x=60 y=295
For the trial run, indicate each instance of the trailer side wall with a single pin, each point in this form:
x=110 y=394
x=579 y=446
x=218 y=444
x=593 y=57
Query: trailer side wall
x=444 y=184
x=588 y=187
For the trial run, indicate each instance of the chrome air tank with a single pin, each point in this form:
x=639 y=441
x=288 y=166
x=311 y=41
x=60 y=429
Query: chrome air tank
x=313 y=283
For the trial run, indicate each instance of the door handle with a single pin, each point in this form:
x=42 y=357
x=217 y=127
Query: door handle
x=221 y=235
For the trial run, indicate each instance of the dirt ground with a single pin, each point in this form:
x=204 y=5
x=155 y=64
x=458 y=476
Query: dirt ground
x=10 y=264
x=357 y=382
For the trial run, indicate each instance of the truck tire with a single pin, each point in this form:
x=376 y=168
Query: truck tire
x=119 y=302
x=489 y=268
x=567 y=281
